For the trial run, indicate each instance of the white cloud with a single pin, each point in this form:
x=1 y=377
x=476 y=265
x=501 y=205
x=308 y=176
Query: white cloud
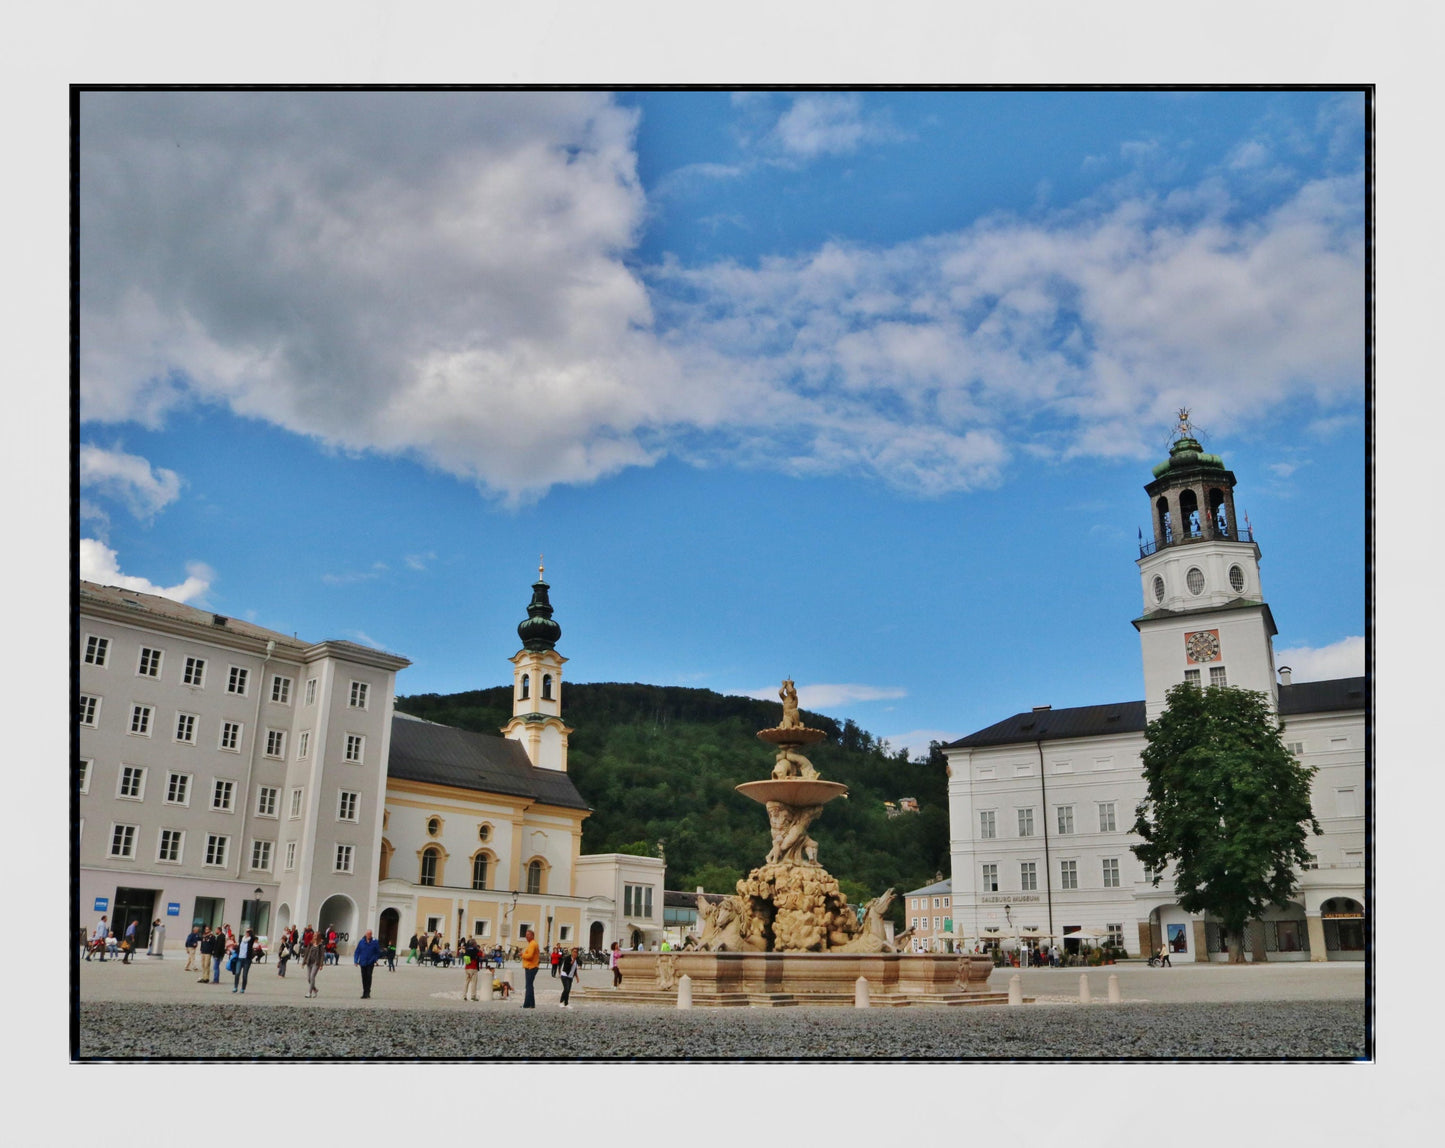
x=128 y=478
x=822 y=697
x=351 y=577
x=451 y=276
x=419 y=561
x=1342 y=659
x=98 y=563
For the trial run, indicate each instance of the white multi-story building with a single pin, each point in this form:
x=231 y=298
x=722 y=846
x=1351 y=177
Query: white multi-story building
x=211 y=756
x=233 y=775
x=1042 y=803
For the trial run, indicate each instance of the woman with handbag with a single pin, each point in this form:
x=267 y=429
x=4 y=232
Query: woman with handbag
x=311 y=961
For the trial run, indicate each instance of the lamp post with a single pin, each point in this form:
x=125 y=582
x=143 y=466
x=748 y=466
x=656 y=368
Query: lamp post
x=1009 y=917
x=256 y=914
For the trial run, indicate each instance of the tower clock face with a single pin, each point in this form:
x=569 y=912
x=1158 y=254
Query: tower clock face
x=1202 y=645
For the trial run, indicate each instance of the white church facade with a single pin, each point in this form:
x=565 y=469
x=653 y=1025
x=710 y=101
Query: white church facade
x=1041 y=804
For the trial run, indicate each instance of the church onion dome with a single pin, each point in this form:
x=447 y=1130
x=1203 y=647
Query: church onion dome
x=537 y=630
x=1187 y=454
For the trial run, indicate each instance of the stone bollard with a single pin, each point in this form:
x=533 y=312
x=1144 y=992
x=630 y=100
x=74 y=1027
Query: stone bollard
x=860 y=993
x=1015 y=989
x=684 y=991
x=1114 y=997
x=1084 y=997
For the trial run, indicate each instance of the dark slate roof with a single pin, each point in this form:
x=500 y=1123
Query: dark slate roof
x=1323 y=697
x=1052 y=725
x=674 y=899
x=1128 y=717
x=444 y=755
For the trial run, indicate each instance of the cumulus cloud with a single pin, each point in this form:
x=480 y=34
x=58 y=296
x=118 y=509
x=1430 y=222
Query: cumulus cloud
x=1342 y=659
x=99 y=563
x=128 y=479
x=452 y=276
x=821 y=697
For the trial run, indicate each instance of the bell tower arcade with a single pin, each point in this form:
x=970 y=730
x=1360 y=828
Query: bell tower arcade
x=537 y=685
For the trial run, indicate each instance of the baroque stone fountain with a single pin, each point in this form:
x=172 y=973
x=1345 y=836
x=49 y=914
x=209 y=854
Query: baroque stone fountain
x=788 y=935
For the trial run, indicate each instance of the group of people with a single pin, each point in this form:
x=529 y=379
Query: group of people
x=102 y=942
x=435 y=949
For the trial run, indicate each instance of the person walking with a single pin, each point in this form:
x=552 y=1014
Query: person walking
x=102 y=932
x=311 y=961
x=555 y=960
x=568 y=968
x=614 y=962
x=193 y=939
x=241 y=966
x=474 y=963
x=283 y=953
x=368 y=952
x=531 y=960
x=1164 y=957
x=225 y=946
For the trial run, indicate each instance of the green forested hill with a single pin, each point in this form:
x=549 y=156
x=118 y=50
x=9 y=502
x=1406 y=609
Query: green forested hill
x=658 y=765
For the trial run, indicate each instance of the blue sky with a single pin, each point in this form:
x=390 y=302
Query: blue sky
x=857 y=388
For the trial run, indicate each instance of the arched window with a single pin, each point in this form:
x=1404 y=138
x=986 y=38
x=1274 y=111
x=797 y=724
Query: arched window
x=479 y=870
x=547 y=687
x=429 y=860
x=1218 y=516
x=534 y=877
x=384 y=866
x=1189 y=513
x=526 y=686
x=1164 y=532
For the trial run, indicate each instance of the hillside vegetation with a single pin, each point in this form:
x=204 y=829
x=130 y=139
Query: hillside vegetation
x=658 y=765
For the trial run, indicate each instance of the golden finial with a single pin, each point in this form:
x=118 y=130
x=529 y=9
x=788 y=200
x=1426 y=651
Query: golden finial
x=1185 y=426
x=541 y=568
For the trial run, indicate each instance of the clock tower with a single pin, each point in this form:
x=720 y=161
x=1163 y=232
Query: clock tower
x=537 y=685
x=1205 y=619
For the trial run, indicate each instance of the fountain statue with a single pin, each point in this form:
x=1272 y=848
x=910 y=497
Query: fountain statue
x=791 y=904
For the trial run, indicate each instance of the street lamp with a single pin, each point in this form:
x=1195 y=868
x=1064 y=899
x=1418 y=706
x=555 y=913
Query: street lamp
x=1009 y=917
x=256 y=914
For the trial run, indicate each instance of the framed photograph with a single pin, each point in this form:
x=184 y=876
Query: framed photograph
x=1177 y=942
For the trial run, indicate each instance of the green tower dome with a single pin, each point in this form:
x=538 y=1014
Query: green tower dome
x=537 y=630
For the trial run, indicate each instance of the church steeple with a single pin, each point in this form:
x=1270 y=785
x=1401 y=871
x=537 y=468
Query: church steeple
x=537 y=684
x=1205 y=619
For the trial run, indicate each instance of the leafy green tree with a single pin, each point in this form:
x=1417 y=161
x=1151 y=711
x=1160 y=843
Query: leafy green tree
x=1227 y=805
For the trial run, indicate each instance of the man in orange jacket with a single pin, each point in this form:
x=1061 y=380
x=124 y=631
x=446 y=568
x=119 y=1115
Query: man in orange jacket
x=531 y=958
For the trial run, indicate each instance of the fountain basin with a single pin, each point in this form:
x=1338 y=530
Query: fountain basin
x=798 y=735
x=793 y=791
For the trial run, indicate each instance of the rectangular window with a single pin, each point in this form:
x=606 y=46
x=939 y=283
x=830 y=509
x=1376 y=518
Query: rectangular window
x=82 y=775
x=1217 y=677
x=149 y=665
x=1066 y=818
x=987 y=823
x=1111 y=872
x=195 y=672
x=985 y=771
x=1068 y=874
x=355 y=747
x=132 y=783
x=216 y=846
x=1026 y=822
x=481 y=928
x=945 y=902
x=290 y=856
x=1101 y=763
x=343 y=858
x=1191 y=677
x=261 y=854
x=186 y=728
x=281 y=690
x=231 y=736
x=303 y=744
x=1347 y=802
x=1063 y=767
x=935 y=903
x=266 y=797
x=295 y=804
x=1106 y=817
x=347 y=805
x=1028 y=876
x=1024 y=770
x=178 y=789
x=310 y=691
x=647 y=901
x=935 y=923
x=275 y=743
x=914 y=923
x=1296 y=747
x=168 y=848
x=140 y=720
x=122 y=841
x=89 y=707
x=222 y=794
x=97 y=649
x=358 y=696
x=990 y=878
x=236 y=683
x=1116 y=935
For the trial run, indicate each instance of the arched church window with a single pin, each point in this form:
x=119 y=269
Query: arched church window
x=526 y=686
x=547 y=687
x=428 y=867
x=1165 y=530
x=1217 y=513
x=534 y=877
x=479 y=871
x=1189 y=512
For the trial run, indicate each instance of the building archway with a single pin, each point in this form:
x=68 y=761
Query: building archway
x=388 y=927
x=594 y=937
x=338 y=911
x=283 y=918
x=1344 y=921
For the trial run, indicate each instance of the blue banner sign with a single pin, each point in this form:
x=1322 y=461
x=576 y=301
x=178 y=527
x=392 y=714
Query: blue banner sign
x=102 y=904
x=173 y=908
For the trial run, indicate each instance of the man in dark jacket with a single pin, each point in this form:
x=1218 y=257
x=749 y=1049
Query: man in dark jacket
x=368 y=952
x=193 y=938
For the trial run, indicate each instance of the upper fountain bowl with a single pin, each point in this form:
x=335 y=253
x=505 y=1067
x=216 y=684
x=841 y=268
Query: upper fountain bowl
x=793 y=791
x=798 y=735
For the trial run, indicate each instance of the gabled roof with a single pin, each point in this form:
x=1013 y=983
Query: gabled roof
x=1323 y=697
x=1053 y=725
x=944 y=886
x=1128 y=717
x=486 y=763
